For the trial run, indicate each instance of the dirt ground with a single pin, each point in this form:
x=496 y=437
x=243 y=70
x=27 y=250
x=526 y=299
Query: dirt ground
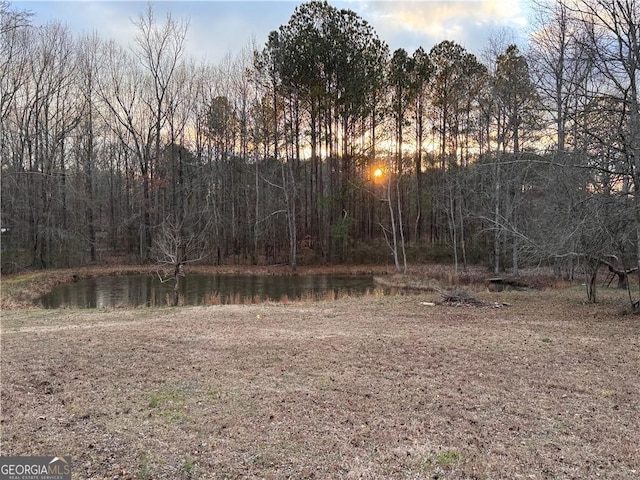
x=374 y=387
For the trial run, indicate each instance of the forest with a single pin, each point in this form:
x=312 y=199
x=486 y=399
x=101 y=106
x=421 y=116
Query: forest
x=321 y=146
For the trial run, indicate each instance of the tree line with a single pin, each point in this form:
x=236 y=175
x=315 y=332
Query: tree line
x=323 y=146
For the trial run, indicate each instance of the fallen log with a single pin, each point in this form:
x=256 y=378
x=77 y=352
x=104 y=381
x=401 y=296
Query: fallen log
x=622 y=274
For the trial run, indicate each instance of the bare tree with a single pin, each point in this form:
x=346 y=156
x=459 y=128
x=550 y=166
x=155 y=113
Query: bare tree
x=135 y=90
x=14 y=55
x=387 y=180
x=177 y=245
x=561 y=66
x=36 y=127
x=88 y=49
x=611 y=36
x=124 y=109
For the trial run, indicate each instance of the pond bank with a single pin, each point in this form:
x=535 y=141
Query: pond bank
x=22 y=290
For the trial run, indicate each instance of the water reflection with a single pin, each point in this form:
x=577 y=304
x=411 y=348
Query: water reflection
x=147 y=290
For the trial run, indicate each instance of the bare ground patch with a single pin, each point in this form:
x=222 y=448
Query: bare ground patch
x=372 y=387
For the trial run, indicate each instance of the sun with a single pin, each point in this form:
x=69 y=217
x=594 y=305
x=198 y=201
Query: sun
x=377 y=173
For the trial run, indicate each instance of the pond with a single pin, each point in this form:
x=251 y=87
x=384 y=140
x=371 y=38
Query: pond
x=198 y=289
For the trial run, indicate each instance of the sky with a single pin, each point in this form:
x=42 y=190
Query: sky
x=221 y=28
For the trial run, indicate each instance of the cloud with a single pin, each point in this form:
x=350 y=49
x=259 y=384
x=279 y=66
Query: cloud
x=426 y=23
x=218 y=28
x=112 y=20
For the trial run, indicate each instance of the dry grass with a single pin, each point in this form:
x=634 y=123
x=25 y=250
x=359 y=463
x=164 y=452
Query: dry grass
x=371 y=387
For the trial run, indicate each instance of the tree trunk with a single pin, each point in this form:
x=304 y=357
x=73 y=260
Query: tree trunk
x=591 y=269
x=496 y=220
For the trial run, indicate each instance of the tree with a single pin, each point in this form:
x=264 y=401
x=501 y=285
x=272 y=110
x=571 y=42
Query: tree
x=134 y=91
x=14 y=26
x=88 y=65
x=16 y=49
x=402 y=89
x=517 y=98
x=448 y=60
x=611 y=36
x=177 y=245
x=159 y=49
x=270 y=65
x=516 y=105
x=124 y=108
x=402 y=92
x=222 y=126
x=330 y=62
x=561 y=66
x=38 y=119
x=456 y=85
x=421 y=76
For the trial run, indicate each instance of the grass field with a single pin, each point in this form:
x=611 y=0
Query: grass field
x=375 y=387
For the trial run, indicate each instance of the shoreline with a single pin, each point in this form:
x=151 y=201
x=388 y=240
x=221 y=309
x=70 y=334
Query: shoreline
x=20 y=291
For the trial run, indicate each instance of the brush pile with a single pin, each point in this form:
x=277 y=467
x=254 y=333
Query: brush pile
x=460 y=298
